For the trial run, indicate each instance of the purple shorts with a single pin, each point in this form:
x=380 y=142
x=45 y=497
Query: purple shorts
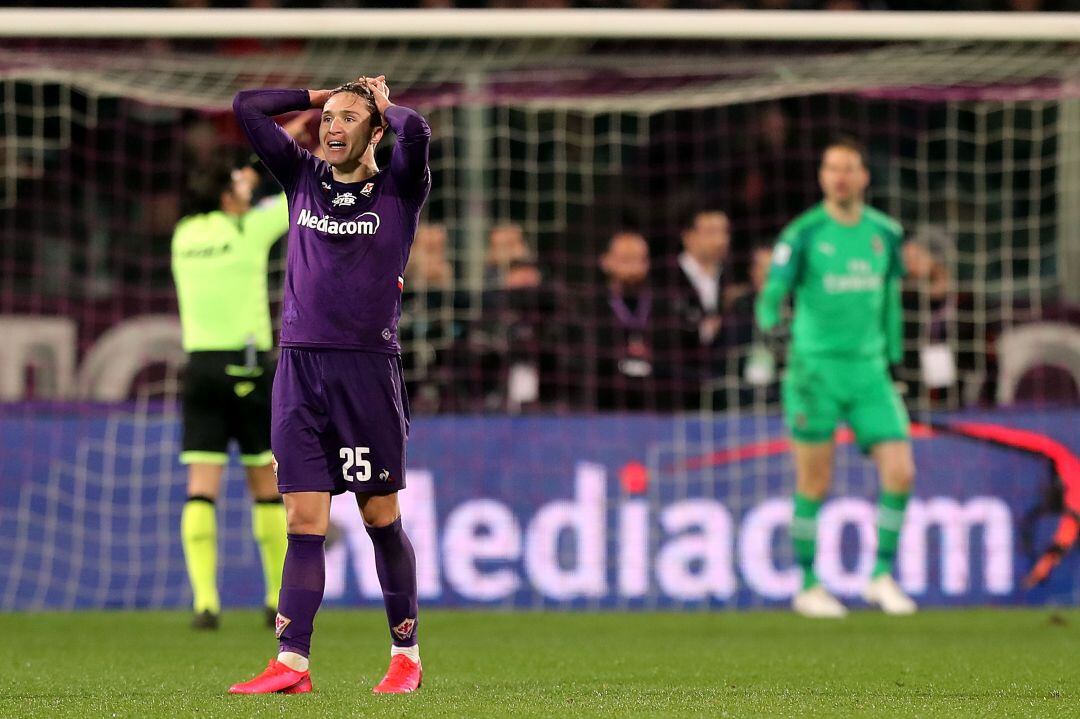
x=339 y=421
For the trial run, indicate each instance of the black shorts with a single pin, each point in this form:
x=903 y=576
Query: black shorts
x=225 y=399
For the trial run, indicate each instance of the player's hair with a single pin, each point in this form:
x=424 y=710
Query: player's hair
x=846 y=142
x=364 y=93
x=206 y=184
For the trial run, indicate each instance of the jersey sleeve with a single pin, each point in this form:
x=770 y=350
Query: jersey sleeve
x=409 y=162
x=255 y=111
x=268 y=221
x=896 y=250
x=784 y=274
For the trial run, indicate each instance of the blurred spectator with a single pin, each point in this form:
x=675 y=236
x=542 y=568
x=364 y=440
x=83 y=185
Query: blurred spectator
x=517 y=353
x=506 y=243
x=702 y=284
x=747 y=367
x=430 y=318
x=622 y=328
x=697 y=290
x=773 y=188
x=928 y=304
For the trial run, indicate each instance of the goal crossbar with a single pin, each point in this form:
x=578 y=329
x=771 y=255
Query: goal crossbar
x=581 y=24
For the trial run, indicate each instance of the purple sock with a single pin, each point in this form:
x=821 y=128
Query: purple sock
x=396 y=565
x=302 y=581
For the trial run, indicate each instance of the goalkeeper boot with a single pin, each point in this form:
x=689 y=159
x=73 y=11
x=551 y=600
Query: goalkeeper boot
x=275 y=679
x=403 y=676
x=883 y=592
x=817 y=603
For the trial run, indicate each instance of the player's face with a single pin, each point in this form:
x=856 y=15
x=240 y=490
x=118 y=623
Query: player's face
x=345 y=131
x=842 y=176
x=627 y=260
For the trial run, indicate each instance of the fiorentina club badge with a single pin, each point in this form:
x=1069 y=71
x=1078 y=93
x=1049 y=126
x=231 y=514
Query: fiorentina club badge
x=280 y=622
x=366 y=192
x=405 y=629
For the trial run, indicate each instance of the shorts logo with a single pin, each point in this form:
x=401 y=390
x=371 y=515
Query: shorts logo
x=384 y=475
x=387 y=335
x=280 y=622
x=344 y=199
x=800 y=420
x=405 y=629
x=273 y=462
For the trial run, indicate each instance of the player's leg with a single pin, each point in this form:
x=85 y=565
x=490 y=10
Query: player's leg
x=395 y=562
x=811 y=414
x=269 y=528
x=813 y=477
x=306 y=479
x=370 y=410
x=250 y=424
x=880 y=423
x=205 y=442
x=302 y=582
x=198 y=534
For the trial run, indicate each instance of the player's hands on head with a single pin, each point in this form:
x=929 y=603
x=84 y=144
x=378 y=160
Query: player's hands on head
x=379 y=89
x=319 y=97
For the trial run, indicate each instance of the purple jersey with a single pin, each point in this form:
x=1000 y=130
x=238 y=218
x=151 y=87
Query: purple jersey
x=348 y=242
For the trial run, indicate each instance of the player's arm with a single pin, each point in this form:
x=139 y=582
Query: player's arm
x=893 y=309
x=269 y=220
x=255 y=111
x=409 y=162
x=783 y=275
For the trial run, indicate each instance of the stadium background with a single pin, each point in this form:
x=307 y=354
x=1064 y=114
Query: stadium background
x=546 y=492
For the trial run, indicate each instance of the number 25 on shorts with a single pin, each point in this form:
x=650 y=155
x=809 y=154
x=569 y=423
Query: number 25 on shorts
x=355 y=457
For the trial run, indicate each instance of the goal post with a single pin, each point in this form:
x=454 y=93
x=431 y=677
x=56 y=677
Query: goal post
x=572 y=126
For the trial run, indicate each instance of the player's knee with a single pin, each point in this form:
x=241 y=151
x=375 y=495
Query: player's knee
x=378 y=510
x=813 y=486
x=306 y=517
x=902 y=476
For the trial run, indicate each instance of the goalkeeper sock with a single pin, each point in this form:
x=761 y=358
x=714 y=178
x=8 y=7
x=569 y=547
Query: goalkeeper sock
x=804 y=536
x=268 y=527
x=198 y=533
x=891 y=506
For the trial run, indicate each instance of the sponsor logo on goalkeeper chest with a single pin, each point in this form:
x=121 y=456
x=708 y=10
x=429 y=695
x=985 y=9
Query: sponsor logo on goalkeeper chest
x=366 y=223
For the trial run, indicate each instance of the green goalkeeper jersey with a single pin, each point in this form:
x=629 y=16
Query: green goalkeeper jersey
x=219 y=264
x=845 y=281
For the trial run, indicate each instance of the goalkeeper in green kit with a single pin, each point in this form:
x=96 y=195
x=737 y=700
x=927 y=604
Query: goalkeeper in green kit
x=841 y=261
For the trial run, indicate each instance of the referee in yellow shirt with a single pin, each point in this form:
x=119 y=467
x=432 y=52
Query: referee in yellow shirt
x=219 y=263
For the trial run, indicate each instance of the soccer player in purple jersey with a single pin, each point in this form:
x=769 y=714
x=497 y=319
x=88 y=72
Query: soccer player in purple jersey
x=340 y=415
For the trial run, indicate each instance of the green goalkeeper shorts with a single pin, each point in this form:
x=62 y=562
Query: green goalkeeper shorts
x=820 y=392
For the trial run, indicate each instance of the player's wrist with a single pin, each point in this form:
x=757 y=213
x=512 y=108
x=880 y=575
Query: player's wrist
x=318 y=98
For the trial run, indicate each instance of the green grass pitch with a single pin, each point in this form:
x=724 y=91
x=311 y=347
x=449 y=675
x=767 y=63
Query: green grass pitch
x=1014 y=663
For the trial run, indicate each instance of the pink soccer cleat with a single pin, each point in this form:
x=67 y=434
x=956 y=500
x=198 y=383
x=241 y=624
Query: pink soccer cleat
x=275 y=679
x=403 y=676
